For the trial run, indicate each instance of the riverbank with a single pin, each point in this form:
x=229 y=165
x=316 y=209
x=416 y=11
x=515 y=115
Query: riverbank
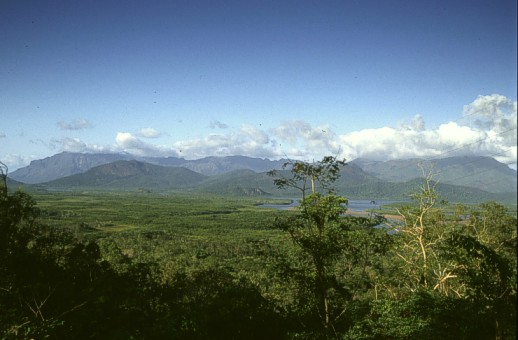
x=367 y=214
x=355 y=208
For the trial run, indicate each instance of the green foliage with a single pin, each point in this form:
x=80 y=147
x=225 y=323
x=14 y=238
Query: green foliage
x=322 y=173
x=423 y=315
x=112 y=265
x=473 y=260
x=215 y=305
x=145 y=177
x=476 y=172
x=123 y=175
x=485 y=250
x=325 y=241
x=53 y=285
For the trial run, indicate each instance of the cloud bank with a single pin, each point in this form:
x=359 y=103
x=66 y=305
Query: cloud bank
x=215 y=124
x=486 y=127
x=149 y=133
x=129 y=143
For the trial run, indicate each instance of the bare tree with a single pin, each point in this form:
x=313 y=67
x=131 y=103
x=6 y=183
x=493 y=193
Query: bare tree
x=425 y=229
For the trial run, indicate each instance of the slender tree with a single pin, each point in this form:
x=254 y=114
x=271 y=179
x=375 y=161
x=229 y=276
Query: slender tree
x=303 y=174
x=420 y=239
x=316 y=231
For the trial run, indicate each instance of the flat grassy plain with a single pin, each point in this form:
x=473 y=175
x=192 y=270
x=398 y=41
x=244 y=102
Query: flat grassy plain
x=123 y=211
x=177 y=231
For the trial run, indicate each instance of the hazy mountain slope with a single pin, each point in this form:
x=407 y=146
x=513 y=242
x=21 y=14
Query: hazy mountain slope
x=66 y=164
x=211 y=166
x=384 y=190
x=352 y=175
x=13 y=184
x=247 y=181
x=392 y=170
x=476 y=172
x=130 y=175
x=354 y=183
x=240 y=182
x=483 y=173
x=62 y=165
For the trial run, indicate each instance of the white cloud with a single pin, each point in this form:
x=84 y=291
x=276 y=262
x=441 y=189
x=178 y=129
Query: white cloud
x=492 y=106
x=126 y=142
x=488 y=128
x=299 y=139
x=76 y=145
x=253 y=134
x=149 y=133
x=15 y=161
x=417 y=124
x=248 y=140
x=76 y=124
x=490 y=131
x=392 y=143
x=215 y=124
x=494 y=113
x=306 y=141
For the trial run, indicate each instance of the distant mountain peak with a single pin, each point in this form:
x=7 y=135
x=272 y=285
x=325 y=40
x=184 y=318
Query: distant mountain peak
x=70 y=163
x=484 y=173
x=480 y=172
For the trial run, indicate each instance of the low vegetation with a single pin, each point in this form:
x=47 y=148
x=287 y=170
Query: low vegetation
x=140 y=265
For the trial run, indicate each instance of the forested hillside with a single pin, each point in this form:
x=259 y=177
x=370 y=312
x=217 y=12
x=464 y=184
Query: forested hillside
x=354 y=183
x=483 y=173
x=124 y=175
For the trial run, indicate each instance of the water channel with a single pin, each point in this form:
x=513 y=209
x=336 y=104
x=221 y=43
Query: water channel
x=354 y=205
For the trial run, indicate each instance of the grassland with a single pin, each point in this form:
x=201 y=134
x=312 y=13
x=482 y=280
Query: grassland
x=118 y=211
x=179 y=230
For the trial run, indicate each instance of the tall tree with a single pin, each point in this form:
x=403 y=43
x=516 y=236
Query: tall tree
x=322 y=173
x=316 y=230
x=324 y=238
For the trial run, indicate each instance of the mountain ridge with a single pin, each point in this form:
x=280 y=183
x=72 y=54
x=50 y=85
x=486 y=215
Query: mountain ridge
x=481 y=173
x=354 y=183
x=130 y=174
x=69 y=163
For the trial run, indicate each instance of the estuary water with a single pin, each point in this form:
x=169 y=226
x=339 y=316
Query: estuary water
x=354 y=205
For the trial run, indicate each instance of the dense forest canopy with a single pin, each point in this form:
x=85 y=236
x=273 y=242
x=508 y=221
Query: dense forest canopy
x=217 y=268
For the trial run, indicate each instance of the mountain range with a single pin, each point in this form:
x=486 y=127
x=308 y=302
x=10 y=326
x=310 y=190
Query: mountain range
x=483 y=173
x=68 y=163
x=461 y=179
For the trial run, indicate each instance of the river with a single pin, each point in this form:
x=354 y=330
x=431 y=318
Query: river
x=354 y=205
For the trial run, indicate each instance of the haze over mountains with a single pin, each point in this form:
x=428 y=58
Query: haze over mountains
x=68 y=163
x=467 y=179
x=483 y=173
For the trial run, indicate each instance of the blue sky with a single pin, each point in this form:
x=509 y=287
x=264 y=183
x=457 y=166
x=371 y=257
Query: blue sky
x=374 y=79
